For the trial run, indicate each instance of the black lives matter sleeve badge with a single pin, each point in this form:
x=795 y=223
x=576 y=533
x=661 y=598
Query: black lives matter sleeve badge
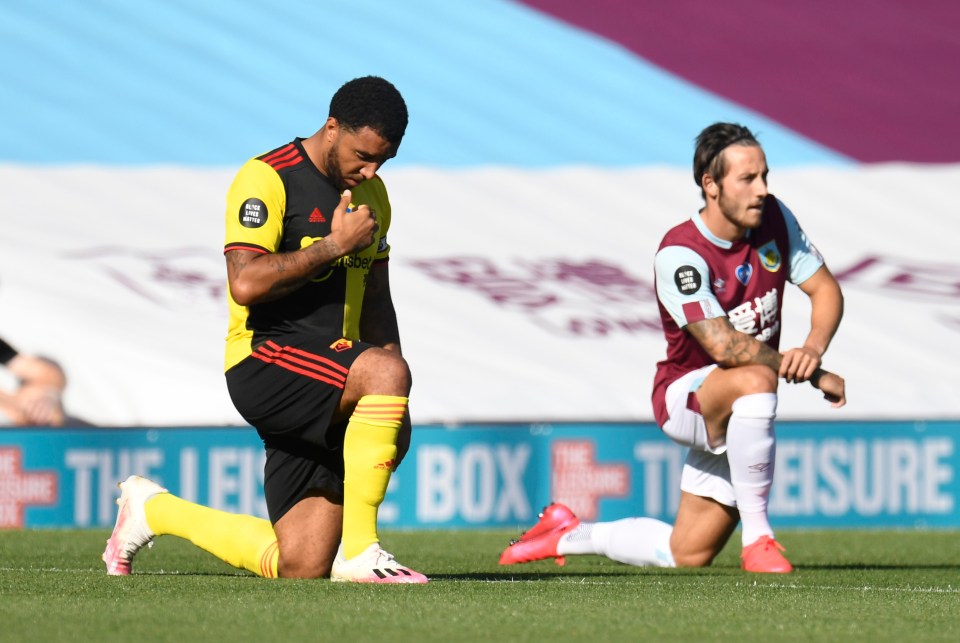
x=688 y=279
x=253 y=213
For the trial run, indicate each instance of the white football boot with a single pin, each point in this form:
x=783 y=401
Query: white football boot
x=373 y=565
x=131 y=532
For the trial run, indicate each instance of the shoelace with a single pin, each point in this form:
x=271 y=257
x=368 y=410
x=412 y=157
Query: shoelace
x=770 y=543
x=385 y=555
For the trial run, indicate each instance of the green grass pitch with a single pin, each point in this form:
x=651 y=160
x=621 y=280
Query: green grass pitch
x=849 y=586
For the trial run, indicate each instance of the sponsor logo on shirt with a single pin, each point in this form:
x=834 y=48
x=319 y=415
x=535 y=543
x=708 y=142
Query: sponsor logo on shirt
x=349 y=261
x=355 y=261
x=759 y=316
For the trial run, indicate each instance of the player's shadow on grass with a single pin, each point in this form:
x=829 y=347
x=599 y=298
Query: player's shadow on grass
x=880 y=567
x=511 y=576
x=521 y=577
x=649 y=572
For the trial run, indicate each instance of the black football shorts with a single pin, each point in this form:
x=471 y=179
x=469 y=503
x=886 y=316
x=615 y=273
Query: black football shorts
x=288 y=389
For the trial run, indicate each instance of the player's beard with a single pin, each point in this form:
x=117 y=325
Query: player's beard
x=738 y=214
x=333 y=167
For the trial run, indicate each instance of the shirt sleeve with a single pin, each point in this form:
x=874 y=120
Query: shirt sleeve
x=683 y=286
x=256 y=203
x=805 y=259
x=374 y=194
x=7 y=352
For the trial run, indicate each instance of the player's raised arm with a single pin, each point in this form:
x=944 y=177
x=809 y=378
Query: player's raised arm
x=256 y=277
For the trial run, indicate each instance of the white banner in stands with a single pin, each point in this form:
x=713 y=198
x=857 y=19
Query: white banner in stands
x=522 y=295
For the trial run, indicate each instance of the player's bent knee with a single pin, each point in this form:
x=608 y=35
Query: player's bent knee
x=696 y=559
x=756 y=379
x=383 y=368
x=301 y=567
x=687 y=554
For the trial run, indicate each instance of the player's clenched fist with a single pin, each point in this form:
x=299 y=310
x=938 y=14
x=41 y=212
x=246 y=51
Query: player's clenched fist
x=353 y=230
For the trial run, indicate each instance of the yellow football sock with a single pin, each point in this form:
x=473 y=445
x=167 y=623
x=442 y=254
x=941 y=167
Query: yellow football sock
x=246 y=542
x=369 y=453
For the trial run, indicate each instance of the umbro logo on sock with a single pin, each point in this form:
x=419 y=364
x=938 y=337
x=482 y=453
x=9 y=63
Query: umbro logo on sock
x=760 y=467
x=389 y=465
x=317 y=217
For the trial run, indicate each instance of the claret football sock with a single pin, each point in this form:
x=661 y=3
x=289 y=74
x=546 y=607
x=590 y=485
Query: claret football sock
x=246 y=542
x=751 y=452
x=369 y=457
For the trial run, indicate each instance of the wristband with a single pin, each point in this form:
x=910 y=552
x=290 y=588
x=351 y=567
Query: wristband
x=815 y=378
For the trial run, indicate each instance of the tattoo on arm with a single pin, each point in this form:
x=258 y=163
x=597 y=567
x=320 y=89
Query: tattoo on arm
x=292 y=271
x=279 y=274
x=236 y=261
x=729 y=347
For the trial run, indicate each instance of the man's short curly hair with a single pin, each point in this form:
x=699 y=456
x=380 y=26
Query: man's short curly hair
x=371 y=101
x=708 y=157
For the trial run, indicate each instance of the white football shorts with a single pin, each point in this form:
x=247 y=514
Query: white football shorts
x=706 y=471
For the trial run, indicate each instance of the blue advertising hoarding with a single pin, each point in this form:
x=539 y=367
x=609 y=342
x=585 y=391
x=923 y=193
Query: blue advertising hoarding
x=859 y=474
